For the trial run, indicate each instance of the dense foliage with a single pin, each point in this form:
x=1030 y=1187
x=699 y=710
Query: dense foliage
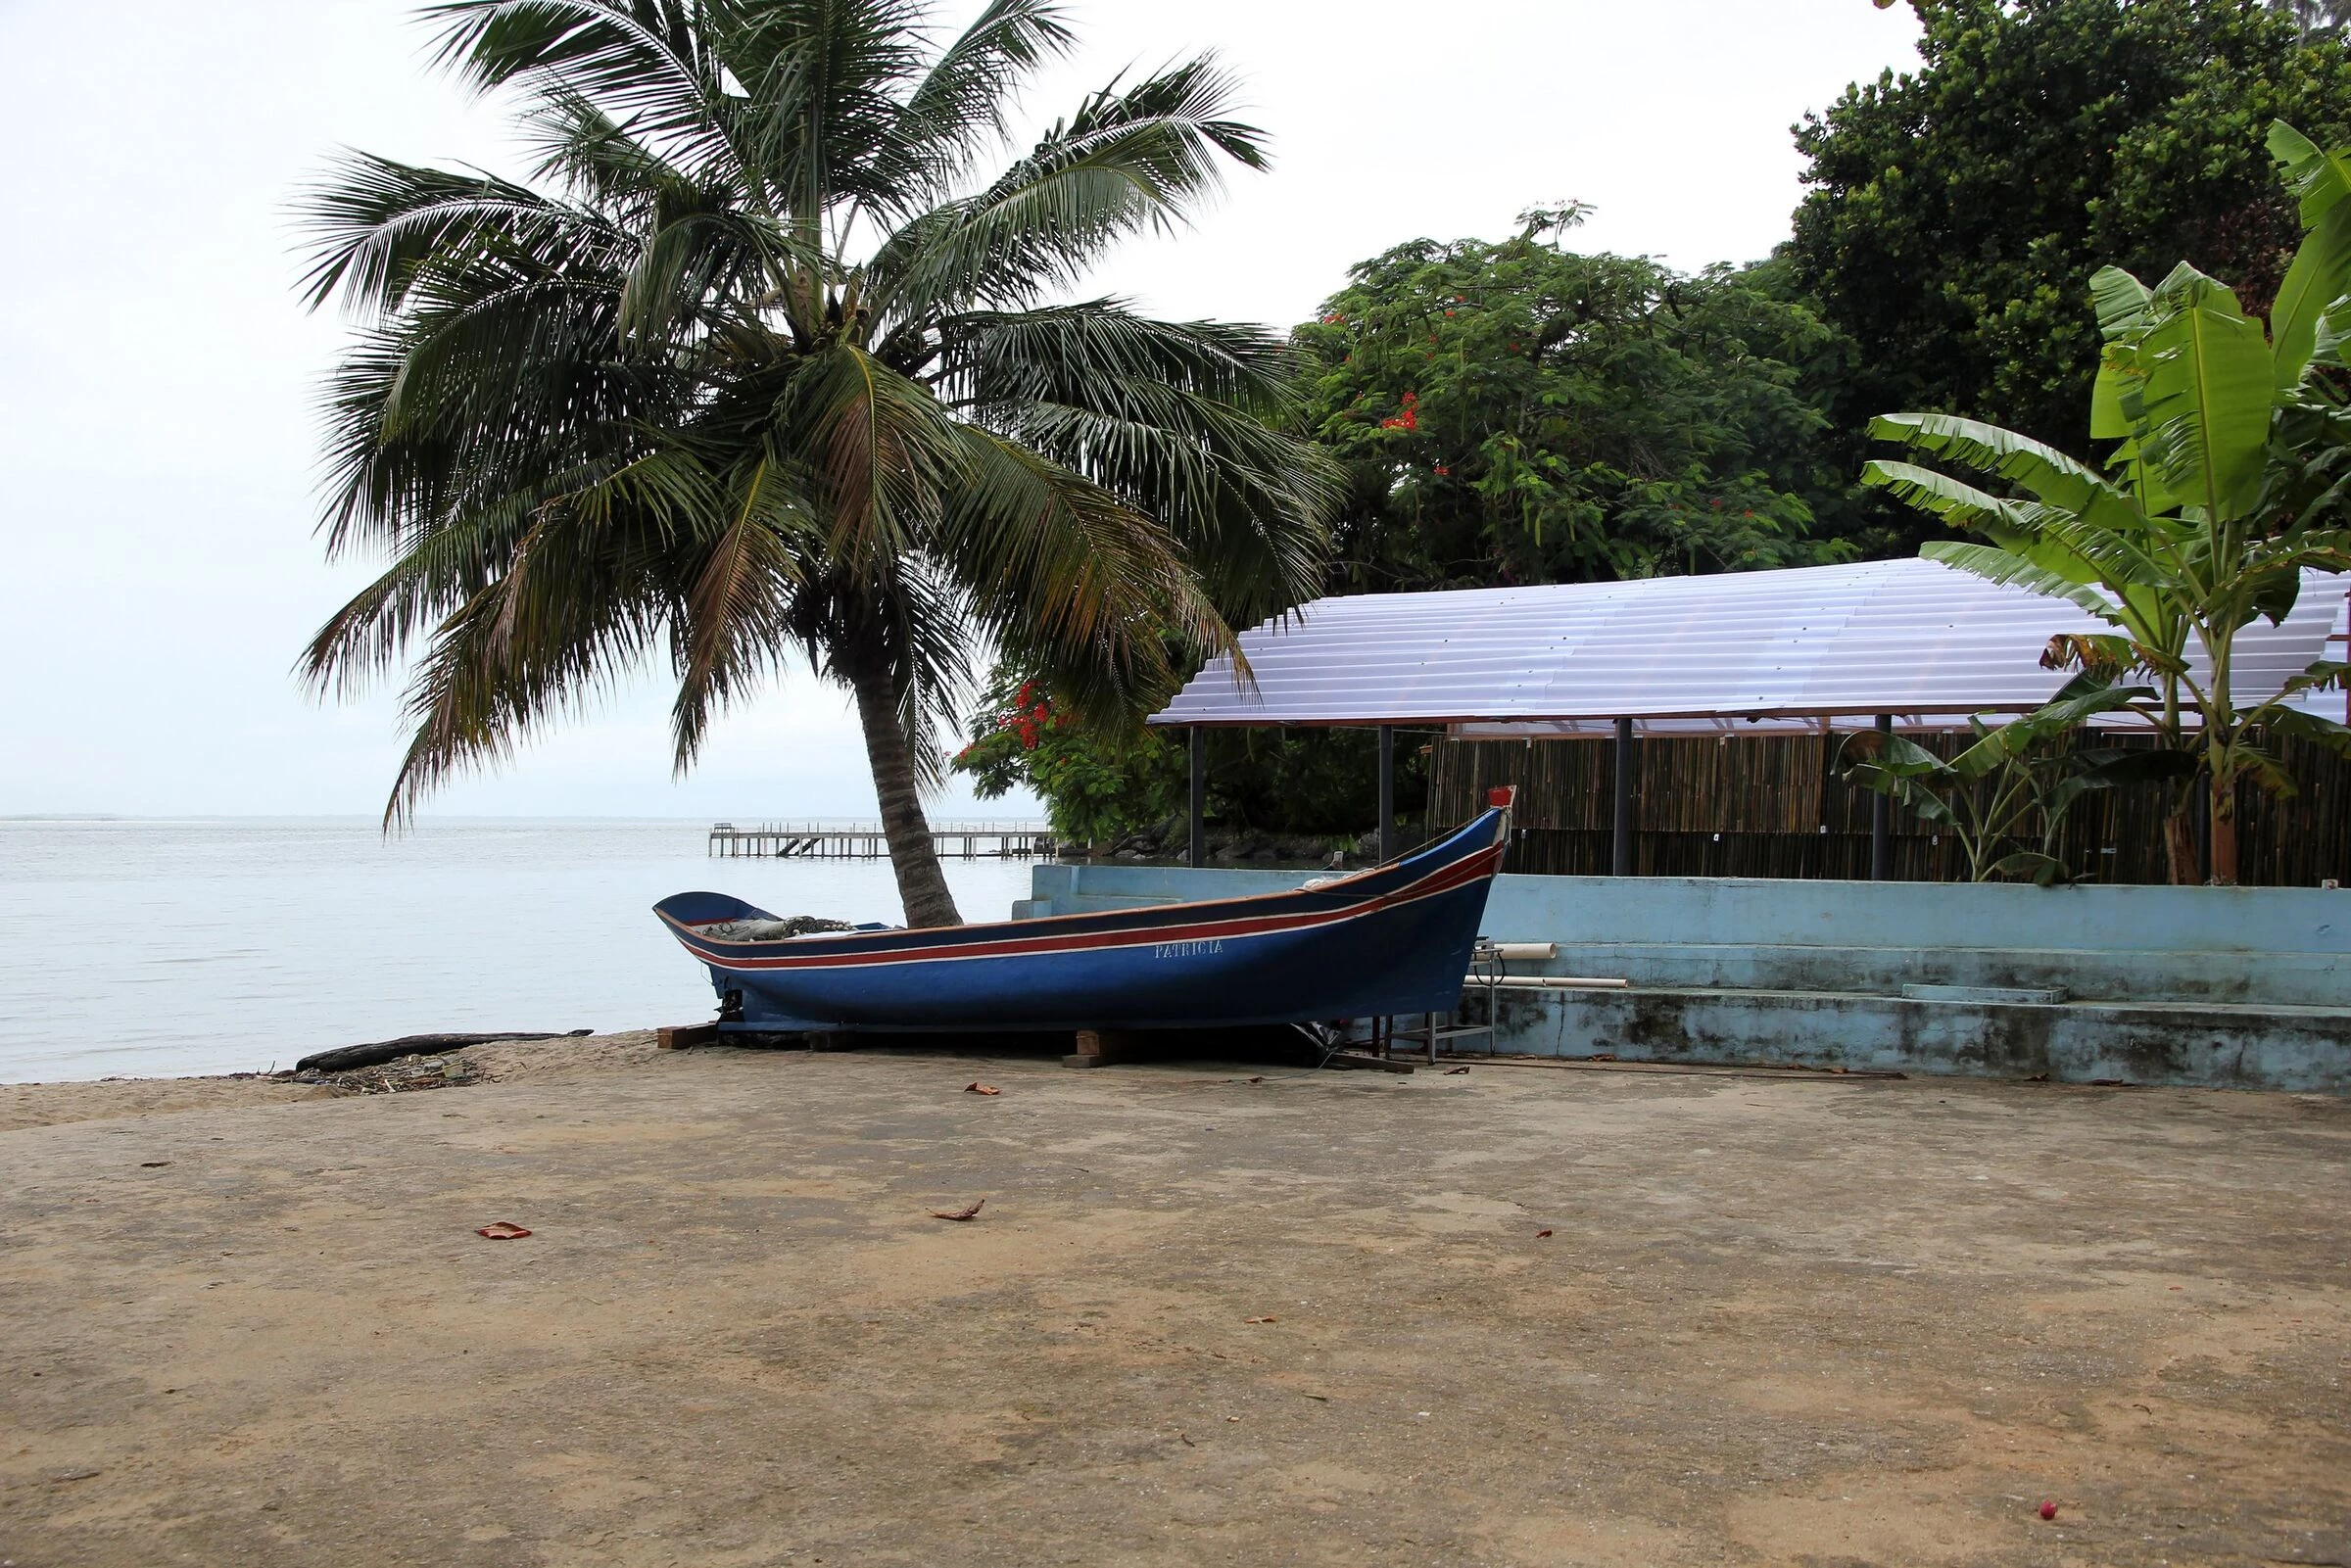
x=1519 y=413
x=1101 y=784
x=1955 y=215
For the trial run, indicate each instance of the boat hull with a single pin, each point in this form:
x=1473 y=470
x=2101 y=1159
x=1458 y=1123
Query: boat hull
x=1390 y=941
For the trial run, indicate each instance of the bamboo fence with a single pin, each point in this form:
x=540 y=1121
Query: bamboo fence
x=1774 y=806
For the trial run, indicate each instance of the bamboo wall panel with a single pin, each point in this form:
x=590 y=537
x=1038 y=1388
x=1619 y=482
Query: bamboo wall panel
x=1774 y=806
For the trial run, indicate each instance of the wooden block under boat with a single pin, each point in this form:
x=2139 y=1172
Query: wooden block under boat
x=1101 y=1048
x=681 y=1036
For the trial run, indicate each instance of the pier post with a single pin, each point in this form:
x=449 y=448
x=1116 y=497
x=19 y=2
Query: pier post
x=1196 y=840
x=1621 y=861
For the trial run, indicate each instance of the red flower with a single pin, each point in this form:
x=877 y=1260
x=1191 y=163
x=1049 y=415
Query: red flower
x=1442 y=469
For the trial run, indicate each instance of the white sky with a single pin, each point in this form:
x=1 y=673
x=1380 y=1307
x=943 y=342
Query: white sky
x=158 y=567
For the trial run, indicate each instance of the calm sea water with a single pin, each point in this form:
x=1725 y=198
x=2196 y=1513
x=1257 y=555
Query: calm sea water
x=161 y=949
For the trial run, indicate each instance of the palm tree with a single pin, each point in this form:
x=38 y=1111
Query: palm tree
x=758 y=366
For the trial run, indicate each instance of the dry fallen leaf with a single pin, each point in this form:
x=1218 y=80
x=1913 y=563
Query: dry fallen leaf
x=971 y=1212
x=1455 y=1072
x=1259 y=1079
x=1260 y=1320
x=502 y=1230
x=1540 y=1234
x=980 y=1088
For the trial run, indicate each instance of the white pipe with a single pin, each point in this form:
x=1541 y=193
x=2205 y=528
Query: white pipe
x=1508 y=951
x=1561 y=982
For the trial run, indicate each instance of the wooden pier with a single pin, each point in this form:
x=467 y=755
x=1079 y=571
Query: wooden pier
x=956 y=840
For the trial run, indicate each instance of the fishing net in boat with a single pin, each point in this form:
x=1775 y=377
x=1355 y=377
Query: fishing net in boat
x=775 y=931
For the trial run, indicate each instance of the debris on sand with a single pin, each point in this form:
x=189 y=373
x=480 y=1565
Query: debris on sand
x=502 y=1230
x=397 y=1076
x=971 y=1212
x=345 y=1058
x=982 y=1088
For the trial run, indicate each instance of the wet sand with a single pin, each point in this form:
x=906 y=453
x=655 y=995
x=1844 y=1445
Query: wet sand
x=1200 y=1318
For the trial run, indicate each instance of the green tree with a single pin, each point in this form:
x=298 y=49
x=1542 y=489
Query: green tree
x=1101 y=784
x=766 y=364
x=1955 y=214
x=2227 y=484
x=1518 y=412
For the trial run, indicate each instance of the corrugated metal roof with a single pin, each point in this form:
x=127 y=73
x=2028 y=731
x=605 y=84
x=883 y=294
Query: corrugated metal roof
x=1741 y=652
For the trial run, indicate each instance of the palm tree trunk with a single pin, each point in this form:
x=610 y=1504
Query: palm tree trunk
x=922 y=885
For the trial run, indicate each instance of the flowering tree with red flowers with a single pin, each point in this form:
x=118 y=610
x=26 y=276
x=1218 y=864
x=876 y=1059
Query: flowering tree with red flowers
x=1096 y=786
x=1517 y=412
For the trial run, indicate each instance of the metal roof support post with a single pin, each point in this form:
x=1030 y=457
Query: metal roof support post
x=1622 y=865
x=1196 y=837
x=1881 y=816
x=1387 y=793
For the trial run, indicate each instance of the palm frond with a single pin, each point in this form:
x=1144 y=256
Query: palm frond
x=1127 y=162
x=964 y=100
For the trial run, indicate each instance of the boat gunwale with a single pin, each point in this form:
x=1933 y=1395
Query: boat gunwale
x=846 y=944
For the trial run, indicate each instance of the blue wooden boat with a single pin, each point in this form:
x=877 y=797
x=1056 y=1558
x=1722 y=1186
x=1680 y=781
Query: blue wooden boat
x=1393 y=939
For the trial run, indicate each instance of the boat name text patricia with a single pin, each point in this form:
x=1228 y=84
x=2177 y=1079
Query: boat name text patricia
x=1188 y=949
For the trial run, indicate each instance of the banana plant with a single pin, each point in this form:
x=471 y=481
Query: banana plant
x=2227 y=482
x=2014 y=777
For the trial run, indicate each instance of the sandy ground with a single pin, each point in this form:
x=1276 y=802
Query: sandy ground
x=1201 y=1319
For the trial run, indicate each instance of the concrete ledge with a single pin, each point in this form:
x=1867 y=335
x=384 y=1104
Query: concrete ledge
x=2186 y=1044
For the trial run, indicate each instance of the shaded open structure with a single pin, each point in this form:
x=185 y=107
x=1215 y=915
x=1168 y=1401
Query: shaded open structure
x=1900 y=644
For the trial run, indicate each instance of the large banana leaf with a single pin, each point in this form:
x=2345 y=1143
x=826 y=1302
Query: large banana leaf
x=1955 y=502
x=2319 y=179
x=2207 y=396
x=2042 y=469
x=2121 y=301
x=2007 y=567
x=2321 y=273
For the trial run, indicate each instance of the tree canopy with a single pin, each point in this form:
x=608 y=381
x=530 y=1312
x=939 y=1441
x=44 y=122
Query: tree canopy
x=1954 y=216
x=1521 y=412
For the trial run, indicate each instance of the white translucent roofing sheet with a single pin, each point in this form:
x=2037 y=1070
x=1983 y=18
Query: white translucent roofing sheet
x=1733 y=653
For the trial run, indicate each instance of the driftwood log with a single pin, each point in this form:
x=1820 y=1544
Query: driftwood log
x=344 y=1058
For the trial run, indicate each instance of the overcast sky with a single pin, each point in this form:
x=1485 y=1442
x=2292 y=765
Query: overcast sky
x=156 y=442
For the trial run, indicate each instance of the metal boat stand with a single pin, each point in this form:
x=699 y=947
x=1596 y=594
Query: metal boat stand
x=1439 y=1030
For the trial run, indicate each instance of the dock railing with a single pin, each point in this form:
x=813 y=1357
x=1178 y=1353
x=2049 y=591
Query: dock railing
x=835 y=839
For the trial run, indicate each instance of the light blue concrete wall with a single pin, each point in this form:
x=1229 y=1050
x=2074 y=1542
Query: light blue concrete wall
x=2225 y=988
x=2267 y=945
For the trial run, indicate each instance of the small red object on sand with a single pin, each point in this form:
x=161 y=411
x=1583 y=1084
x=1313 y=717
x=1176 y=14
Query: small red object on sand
x=2048 y=1510
x=971 y=1212
x=1540 y=1234
x=980 y=1088
x=502 y=1230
